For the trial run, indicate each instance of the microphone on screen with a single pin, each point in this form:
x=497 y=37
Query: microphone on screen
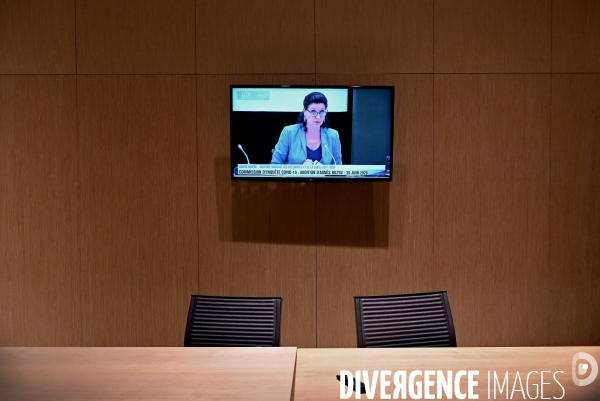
x=240 y=148
x=325 y=146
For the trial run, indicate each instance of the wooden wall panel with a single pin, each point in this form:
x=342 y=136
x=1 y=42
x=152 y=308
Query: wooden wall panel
x=37 y=37
x=378 y=36
x=39 y=271
x=492 y=36
x=255 y=37
x=575 y=36
x=135 y=37
x=575 y=210
x=256 y=239
x=139 y=232
x=492 y=138
x=377 y=238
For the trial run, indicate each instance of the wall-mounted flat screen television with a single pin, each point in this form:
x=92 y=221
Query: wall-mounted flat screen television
x=312 y=133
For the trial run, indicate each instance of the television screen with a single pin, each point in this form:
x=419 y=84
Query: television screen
x=317 y=133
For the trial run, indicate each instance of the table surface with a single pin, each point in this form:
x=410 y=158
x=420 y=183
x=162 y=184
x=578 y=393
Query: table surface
x=146 y=373
x=268 y=373
x=316 y=369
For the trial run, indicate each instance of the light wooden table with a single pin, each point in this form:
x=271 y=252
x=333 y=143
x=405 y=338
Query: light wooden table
x=146 y=373
x=316 y=370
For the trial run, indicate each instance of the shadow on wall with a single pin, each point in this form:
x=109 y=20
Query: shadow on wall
x=334 y=214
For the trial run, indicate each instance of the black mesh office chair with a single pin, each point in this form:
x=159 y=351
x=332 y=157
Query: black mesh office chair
x=409 y=320
x=215 y=321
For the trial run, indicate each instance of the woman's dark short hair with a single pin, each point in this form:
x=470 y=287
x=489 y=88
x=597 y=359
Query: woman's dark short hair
x=313 y=97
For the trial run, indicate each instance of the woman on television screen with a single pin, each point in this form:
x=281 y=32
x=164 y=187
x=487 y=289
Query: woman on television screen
x=310 y=140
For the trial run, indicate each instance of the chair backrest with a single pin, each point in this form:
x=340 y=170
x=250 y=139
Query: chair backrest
x=408 y=320
x=215 y=321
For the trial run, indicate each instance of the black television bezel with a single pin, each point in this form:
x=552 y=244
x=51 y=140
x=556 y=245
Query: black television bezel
x=316 y=179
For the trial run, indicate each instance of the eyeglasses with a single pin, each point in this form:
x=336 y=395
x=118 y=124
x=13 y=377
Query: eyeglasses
x=314 y=113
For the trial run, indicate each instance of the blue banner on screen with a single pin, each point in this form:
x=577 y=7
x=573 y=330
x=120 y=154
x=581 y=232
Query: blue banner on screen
x=317 y=133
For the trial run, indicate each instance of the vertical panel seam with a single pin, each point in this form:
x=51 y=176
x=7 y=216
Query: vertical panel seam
x=433 y=37
x=551 y=36
x=75 y=17
x=315 y=38
x=196 y=51
x=433 y=138
x=197 y=190
x=549 y=262
x=196 y=150
x=80 y=210
x=549 y=265
x=316 y=270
